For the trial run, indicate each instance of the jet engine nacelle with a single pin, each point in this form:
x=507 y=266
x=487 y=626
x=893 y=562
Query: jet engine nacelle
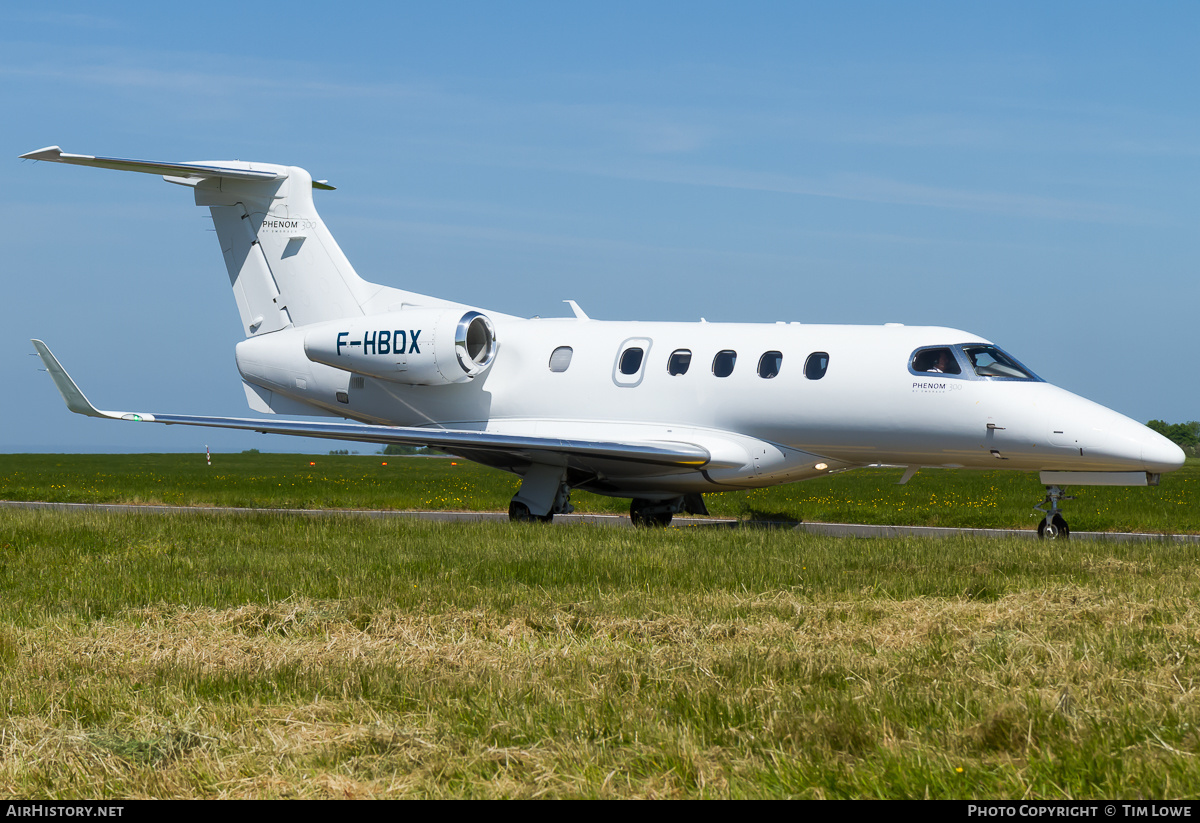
x=419 y=347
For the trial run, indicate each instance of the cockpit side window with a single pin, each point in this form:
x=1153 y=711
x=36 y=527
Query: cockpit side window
x=989 y=361
x=938 y=360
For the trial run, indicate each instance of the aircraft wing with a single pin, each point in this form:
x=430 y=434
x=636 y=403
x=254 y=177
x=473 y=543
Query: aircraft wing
x=505 y=451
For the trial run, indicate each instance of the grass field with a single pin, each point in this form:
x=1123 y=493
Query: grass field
x=933 y=497
x=264 y=655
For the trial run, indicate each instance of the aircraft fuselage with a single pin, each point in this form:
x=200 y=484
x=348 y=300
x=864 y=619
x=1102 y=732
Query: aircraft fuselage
x=764 y=423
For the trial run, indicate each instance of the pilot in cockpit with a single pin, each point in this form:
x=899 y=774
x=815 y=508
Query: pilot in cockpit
x=936 y=361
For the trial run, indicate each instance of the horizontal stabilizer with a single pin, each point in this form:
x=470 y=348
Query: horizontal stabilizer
x=186 y=171
x=488 y=447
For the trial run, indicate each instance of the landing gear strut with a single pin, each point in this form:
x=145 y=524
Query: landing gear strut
x=544 y=493
x=1052 y=526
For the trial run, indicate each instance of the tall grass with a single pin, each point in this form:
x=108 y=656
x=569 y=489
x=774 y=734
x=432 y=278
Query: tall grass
x=270 y=656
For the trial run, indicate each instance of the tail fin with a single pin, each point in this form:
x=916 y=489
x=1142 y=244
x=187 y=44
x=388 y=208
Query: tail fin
x=284 y=265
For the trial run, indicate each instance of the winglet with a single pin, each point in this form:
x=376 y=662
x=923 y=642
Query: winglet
x=76 y=401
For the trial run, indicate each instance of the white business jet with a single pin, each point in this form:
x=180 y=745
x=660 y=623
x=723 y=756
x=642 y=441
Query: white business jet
x=657 y=412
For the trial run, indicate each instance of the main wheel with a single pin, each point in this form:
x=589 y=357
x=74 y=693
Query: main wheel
x=520 y=513
x=1058 y=529
x=639 y=514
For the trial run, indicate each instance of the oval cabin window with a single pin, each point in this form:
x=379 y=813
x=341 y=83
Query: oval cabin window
x=723 y=363
x=769 y=364
x=560 y=359
x=631 y=360
x=815 y=366
x=679 y=362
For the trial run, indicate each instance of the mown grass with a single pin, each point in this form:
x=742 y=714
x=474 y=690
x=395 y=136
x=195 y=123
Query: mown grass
x=993 y=499
x=265 y=655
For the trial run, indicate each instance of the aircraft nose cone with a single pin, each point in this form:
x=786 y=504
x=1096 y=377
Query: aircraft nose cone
x=1111 y=441
x=1160 y=454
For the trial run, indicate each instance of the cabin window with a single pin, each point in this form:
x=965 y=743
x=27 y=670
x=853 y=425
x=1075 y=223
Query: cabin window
x=989 y=361
x=769 y=364
x=560 y=359
x=815 y=366
x=629 y=366
x=679 y=362
x=723 y=363
x=939 y=360
x=631 y=360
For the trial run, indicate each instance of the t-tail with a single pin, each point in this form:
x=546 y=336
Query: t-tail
x=284 y=266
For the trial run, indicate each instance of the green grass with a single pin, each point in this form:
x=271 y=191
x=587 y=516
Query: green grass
x=266 y=655
x=271 y=656
x=995 y=499
x=257 y=481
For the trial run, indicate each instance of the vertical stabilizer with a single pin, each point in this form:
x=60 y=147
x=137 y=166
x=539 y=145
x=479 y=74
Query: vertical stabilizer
x=284 y=265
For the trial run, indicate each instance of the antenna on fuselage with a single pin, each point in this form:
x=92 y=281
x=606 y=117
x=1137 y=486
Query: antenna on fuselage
x=579 y=313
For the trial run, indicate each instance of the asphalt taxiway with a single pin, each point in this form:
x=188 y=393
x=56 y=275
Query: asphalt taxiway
x=831 y=529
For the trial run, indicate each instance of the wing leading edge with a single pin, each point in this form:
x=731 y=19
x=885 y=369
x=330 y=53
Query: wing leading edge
x=503 y=450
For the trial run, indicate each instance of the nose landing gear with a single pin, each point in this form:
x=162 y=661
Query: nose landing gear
x=1053 y=526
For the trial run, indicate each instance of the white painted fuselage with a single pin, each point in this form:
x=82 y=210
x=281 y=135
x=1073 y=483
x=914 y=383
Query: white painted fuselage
x=868 y=406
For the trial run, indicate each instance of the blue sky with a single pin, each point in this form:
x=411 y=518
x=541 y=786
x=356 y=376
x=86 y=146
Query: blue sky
x=1027 y=172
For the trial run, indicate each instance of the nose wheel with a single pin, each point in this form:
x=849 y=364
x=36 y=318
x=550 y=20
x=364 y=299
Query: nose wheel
x=1053 y=526
x=1056 y=529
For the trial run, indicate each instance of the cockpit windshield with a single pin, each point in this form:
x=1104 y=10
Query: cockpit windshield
x=968 y=362
x=990 y=361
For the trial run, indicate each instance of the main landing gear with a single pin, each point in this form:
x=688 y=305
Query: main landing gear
x=520 y=513
x=544 y=493
x=650 y=513
x=658 y=513
x=1052 y=526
